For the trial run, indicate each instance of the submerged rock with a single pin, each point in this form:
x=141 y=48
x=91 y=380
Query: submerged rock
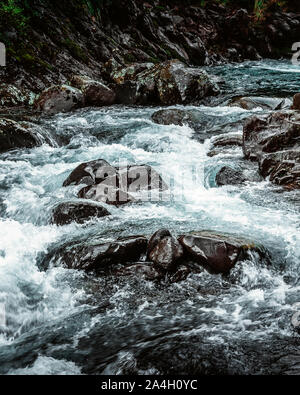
x=79 y=212
x=218 y=253
x=171 y=117
x=175 y=116
x=273 y=141
x=95 y=93
x=144 y=269
x=14 y=135
x=59 y=98
x=228 y=176
x=243 y=171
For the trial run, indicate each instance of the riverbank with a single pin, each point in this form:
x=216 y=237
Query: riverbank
x=51 y=41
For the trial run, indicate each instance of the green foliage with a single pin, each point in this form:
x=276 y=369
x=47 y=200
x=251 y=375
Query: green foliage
x=12 y=14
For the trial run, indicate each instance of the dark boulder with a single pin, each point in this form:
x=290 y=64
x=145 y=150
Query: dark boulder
x=121 y=74
x=126 y=93
x=171 y=117
x=101 y=257
x=177 y=83
x=79 y=212
x=243 y=171
x=156 y=238
x=164 y=250
x=296 y=102
x=86 y=173
x=175 y=116
x=282 y=167
x=218 y=253
x=171 y=82
x=14 y=135
x=140 y=177
x=273 y=141
x=114 y=185
x=95 y=93
x=59 y=98
x=162 y=257
x=231 y=139
x=107 y=194
x=228 y=176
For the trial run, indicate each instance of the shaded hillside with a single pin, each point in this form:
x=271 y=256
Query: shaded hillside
x=48 y=41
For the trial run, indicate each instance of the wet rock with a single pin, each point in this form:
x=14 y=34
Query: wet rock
x=266 y=103
x=228 y=176
x=296 y=102
x=180 y=84
x=129 y=73
x=273 y=142
x=160 y=257
x=181 y=273
x=106 y=194
x=170 y=117
x=237 y=24
x=219 y=253
x=11 y=95
x=112 y=185
x=195 y=49
x=95 y=93
x=140 y=178
x=243 y=171
x=79 y=212
x=101 y=257
x=231 y=139
x=219 y=144
x=14 y=135
x=283 y=168
x=86 y=173
x=156 y=238
x=164 y=250
x=171 y=82
x=174 y=116
x=59 y=98
x=126 y=93
x=144 y=269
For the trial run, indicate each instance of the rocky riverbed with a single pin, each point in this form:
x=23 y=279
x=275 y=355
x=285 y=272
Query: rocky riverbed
x=156 y=235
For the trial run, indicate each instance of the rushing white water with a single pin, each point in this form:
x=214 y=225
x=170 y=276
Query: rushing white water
x=51 y=315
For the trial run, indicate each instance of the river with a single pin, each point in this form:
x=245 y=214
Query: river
x=64 y=321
